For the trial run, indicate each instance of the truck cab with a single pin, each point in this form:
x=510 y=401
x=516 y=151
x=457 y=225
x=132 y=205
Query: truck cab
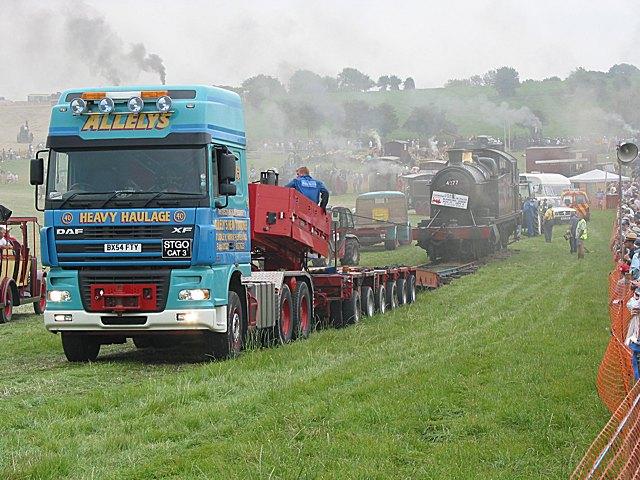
x=146 y=223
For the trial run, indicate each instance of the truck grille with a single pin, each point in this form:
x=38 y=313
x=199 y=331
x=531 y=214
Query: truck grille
x=87 y=247
x=160 y=278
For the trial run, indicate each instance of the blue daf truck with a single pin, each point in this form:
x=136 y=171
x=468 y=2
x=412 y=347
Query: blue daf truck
x=146 y=220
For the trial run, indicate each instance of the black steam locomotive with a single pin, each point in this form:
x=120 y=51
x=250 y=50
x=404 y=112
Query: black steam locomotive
x=475 y=206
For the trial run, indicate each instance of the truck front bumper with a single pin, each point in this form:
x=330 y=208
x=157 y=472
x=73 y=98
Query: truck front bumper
x=214 y=320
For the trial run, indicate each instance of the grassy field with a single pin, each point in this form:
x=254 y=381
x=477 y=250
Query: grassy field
x=491 y=377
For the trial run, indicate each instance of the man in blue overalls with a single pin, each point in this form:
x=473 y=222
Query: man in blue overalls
x=311 y=188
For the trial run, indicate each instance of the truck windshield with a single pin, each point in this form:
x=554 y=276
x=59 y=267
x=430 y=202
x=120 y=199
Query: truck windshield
x=177 y=171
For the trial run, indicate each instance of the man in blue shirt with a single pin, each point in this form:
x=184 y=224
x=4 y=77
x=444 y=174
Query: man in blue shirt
x=311 y=188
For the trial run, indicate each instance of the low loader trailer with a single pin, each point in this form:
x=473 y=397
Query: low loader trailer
x=153 y=232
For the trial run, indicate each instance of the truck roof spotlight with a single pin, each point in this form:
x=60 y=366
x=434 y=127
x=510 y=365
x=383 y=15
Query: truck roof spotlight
x=135 y=104
x=78 y=106
x=106 y=105
x=164 y=104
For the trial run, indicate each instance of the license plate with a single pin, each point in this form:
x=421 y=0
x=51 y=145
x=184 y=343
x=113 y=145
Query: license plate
x=123 y=247
x=176 y=248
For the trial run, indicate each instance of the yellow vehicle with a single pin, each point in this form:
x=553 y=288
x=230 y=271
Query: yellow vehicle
x=383 y=217
x=579 y=200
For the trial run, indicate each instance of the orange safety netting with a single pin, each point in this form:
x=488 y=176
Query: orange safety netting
x=615 y=453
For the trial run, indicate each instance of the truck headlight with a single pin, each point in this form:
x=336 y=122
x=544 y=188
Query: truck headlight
x=58 y=296
x=194 y=294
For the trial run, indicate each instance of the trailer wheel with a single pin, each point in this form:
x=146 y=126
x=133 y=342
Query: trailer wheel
x=381 y=298
x=80 y=348
x=41 y=304
x=229 y=344
x=368 y=301
x=401 y=290
x=302 y=311
x=6 y=312
x=392 y=295
x=351 y=308
x=285 y=316
x=411 y=288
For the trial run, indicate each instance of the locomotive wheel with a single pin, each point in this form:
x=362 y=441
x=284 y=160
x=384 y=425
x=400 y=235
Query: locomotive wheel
x=41 y=304
x=80 y=348
x=229 y=344
x=285 y=317
x=368 y=301
x=411 y=288
x=392 y=294
x=6 y=312
x=351 y=309
x=381 y=298
x=401 y=288
x=302 y=311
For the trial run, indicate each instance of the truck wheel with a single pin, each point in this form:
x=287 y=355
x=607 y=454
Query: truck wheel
x=80 y=348
x=351 y=308
x=335 y=314
x=143 y=341
x=285 y=317
x=404 y=235
x=6 y=312
x=411 y=288
x=229 y=344
x=392 y=295
x=352 y=253
x=302 y=311
x=401 y=288
x=41 y=304
x=368 y=301
x=381 y=298
x=391 y=239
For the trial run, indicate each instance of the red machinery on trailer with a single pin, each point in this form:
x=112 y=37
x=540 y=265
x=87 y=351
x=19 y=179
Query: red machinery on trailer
x=282 y=294
x=21 y=279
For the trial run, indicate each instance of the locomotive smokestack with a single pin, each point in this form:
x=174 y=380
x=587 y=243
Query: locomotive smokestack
x=455 y=155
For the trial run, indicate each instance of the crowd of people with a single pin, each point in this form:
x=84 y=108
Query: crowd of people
x=625 y=245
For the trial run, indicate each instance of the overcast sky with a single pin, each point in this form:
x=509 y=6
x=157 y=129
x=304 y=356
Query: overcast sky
x=50 y=45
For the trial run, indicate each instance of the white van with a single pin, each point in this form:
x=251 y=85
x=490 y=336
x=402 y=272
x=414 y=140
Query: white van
x=547 y=186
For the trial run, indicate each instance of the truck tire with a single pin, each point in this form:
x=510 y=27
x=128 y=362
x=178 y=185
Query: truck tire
x=6 y=312
x=80 y=348
x=230 y=343
x=143 y=341
x=368 y=301
x=391 y=239
x=404 y=235
x=284 y=325
x=335 y=313
x=41 y=304
x=401 y=290
x=351 y=309
x=381 y=298
x=392 y=295
x=351 y=252
x=411 y=288
x=302 y=313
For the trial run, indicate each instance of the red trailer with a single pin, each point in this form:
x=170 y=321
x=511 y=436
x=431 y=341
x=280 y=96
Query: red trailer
x=285 y=296
x=21 y=278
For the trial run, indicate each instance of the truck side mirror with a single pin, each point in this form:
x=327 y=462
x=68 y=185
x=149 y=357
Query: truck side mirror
x=226 y=176
x=226 y=167
x=36 y=171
